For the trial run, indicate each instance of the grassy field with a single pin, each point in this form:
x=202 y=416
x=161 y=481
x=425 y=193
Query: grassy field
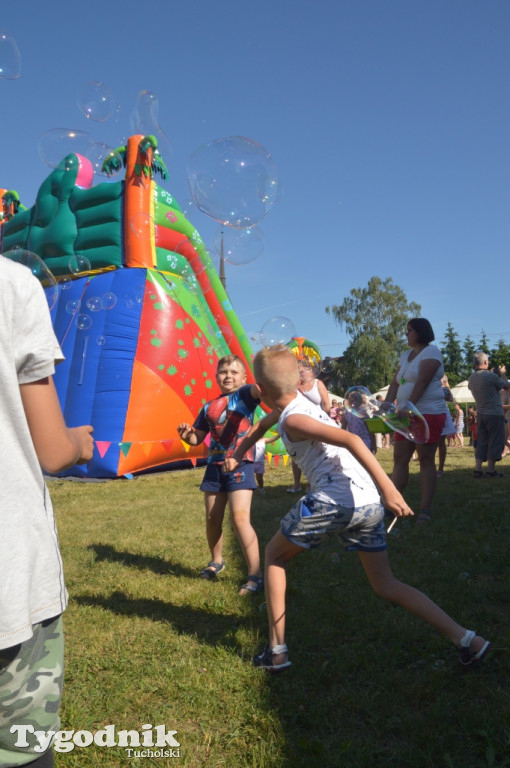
x=147 y=642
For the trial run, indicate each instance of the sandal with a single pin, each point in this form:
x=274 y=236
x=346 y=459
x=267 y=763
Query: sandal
x=212 y=570
x=467 y=656
x=493 y=474
x=477 y=474
x=258 y=585
x=424 y=517
x=265 y=660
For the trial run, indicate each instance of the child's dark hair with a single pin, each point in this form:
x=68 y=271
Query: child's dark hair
x=423 y=329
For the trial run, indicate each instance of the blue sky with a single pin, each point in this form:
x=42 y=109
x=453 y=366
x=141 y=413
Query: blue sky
x=388 y=120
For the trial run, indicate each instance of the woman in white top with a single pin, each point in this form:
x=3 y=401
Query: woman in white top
x=418 y=379
x=315 y=391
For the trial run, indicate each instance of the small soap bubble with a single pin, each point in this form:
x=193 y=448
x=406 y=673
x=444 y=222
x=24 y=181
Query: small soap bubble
x=100 y=341
x=78 y=263
x=94 y=303
x=83 y=322
x=10 y=59
x=95 y=101
x=73 y=306
x=108 y=300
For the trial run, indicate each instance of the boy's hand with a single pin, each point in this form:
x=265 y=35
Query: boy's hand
x=394 y=502
x=185 y=432
x=85 y=442
x=230 y=465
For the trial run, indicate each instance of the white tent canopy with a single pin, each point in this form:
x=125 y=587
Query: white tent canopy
x=462 y=394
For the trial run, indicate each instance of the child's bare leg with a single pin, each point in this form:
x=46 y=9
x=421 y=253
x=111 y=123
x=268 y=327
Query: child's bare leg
x=278 y=553
x=384 y=584
x=240 y=503
x=402 y=452
x=259 y=477
x=215 y=504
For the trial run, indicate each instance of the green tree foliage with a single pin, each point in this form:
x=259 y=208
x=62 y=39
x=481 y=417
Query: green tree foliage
x=484 y=343
x=500 y=355
x=375 y=318
x=452 y=356
x=469 y=348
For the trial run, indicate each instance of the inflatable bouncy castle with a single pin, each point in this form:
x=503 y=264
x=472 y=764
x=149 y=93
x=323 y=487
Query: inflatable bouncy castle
x=141 y=315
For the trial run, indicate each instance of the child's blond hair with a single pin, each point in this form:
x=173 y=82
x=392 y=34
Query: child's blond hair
x=228 y=360
x=276 y=368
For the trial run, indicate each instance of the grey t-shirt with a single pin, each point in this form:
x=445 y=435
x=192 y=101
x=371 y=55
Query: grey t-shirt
x=31 y=575
x=485 y=387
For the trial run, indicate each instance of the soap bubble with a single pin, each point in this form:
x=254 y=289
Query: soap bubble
x=360 y=402
x=78 y=263
x=83 y=322
x=108 y=300
x=326 y=366
x=277 y=330
x=94 y=303
x=10 y=59
x=233 y=180
x=57 y=143
x=98 y=153
x=73 y=306
x=405 y=419
x=144 y=120
x=100 y=341
x=142 y=225
x=95 y=101
x=240 y=246
x=39 y=269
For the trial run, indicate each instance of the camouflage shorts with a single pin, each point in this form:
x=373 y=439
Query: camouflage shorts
x=31 y=677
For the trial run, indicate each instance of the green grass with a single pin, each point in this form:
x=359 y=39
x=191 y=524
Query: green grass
x=149 y=642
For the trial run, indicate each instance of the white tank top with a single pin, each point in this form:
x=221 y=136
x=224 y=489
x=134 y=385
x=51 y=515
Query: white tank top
x=333 y=473
x=313 y=394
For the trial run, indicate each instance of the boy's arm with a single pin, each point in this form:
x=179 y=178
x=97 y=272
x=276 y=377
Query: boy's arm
x=56 y=445
x=323 y=392
x=302 y=427
x=256 y=432
x=191 y=435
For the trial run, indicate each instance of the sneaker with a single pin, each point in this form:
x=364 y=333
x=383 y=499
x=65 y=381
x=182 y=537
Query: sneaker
x=265 y=660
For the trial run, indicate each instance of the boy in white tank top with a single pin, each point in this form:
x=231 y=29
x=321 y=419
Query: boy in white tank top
x=347 y=488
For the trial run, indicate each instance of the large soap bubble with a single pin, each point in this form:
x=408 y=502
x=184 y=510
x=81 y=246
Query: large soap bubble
x=57 y=143
x=405 y=419
x=233 y=180
x=10 y=59
x=144 y=120
x=95 y=101
x=277 y=330
x=38 y=268
x=360 y=402
x=98 y=153
x=239 y=246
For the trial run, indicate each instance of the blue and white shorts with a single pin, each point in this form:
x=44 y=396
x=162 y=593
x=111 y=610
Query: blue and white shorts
x=217 y=481
x=360 y=529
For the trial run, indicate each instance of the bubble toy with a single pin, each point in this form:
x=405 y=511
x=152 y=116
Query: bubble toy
x=404 y=418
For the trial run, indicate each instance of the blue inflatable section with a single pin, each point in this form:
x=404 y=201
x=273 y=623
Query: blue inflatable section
x=97 y=323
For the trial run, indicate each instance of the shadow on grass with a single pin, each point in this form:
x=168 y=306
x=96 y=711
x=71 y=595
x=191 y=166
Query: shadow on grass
x=157 y=565
x=210 y=627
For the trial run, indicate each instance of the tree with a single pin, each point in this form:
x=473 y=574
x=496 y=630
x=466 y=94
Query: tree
x=375 y=318
x=500 y=354
x=452 y=356
x=469 y=349
x=484 y=343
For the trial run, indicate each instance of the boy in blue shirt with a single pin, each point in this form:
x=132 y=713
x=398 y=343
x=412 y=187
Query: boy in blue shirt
x=227 y=419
